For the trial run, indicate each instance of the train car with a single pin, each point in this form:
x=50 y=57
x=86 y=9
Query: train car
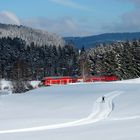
x=101 y=78
x=48 y=81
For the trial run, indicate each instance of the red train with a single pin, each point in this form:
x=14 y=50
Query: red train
x=101 y=78
x=47 y=81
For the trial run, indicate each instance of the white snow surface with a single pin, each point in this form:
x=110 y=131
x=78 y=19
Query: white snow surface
x=34 y=84
x=73 y=112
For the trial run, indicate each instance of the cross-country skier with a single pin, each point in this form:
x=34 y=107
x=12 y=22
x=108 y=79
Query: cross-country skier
x=103 y=99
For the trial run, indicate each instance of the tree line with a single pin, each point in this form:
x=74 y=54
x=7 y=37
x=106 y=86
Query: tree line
x=120 y=58
x=28 y=62
x=21 y=62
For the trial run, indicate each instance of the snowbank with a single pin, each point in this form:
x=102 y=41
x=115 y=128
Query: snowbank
x=35 y=84
x=5 y=86
x=131 y=81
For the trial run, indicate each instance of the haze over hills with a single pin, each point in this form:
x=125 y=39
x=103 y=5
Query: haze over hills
x=92 y=41
x=30 y=35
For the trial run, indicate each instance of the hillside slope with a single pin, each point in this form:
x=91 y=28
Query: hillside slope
x=92 y=41
x=30 y=35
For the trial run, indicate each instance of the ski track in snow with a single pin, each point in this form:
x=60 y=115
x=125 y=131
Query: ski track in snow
x=100 y=112
x=125 y=118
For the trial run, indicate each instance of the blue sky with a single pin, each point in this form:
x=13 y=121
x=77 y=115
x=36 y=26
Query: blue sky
x=73 y=17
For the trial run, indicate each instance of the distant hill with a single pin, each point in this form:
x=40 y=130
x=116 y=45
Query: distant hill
x=92 y=41
x=30 y=35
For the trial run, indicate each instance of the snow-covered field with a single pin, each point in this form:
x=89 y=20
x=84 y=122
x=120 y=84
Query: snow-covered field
x=73 y=112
